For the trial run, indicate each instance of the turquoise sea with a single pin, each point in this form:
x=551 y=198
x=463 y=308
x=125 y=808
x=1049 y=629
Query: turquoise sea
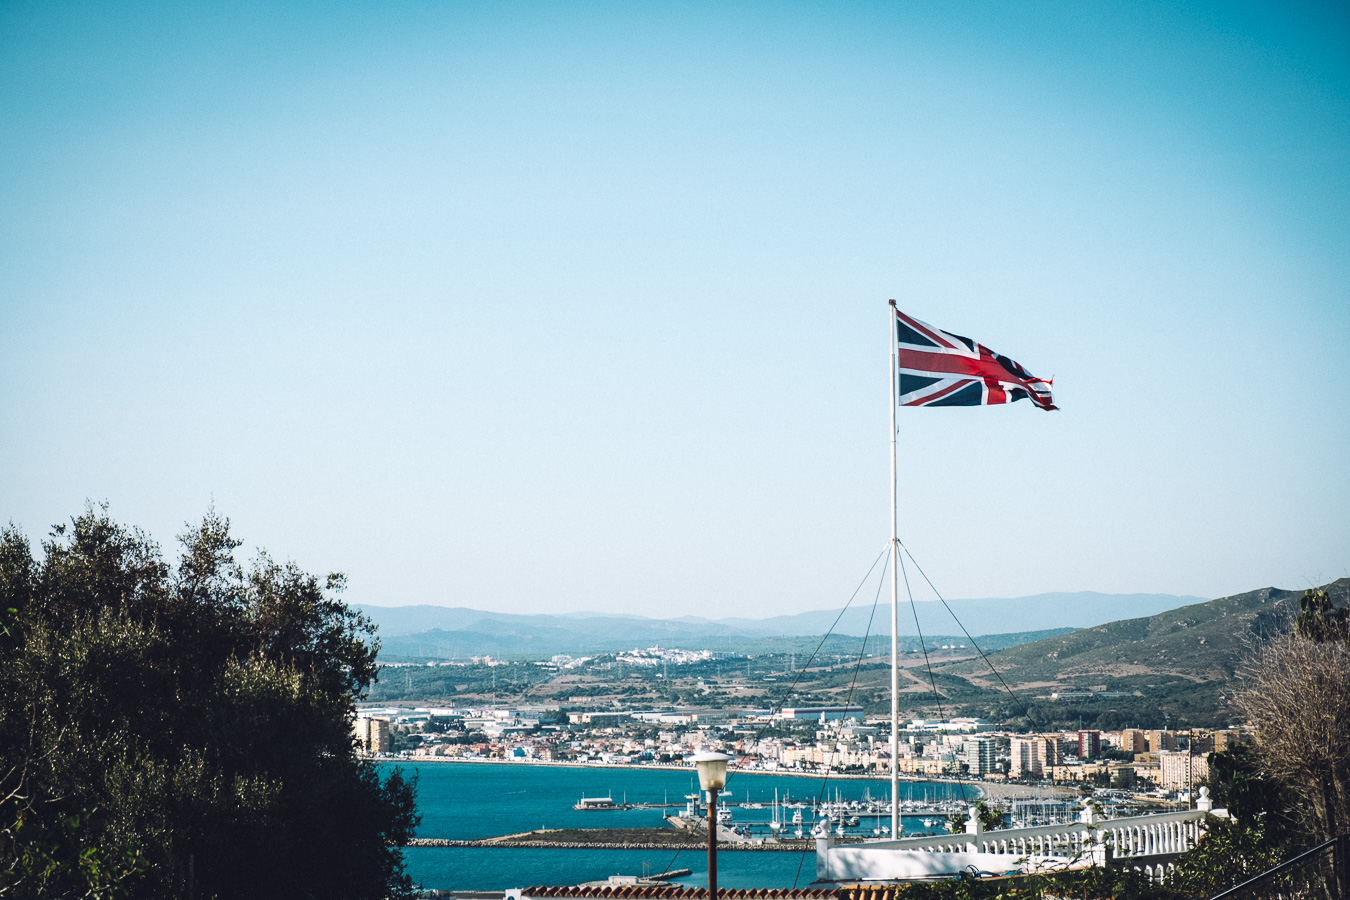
x=477 y=800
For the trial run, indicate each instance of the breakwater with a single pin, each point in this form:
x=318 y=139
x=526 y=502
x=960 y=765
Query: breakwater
x=624 y=839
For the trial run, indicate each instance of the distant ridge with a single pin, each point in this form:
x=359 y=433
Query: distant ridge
x=427 y=630
x=1201 y=642
x=1081 y=609
x=457 y=632
x=1174 y=667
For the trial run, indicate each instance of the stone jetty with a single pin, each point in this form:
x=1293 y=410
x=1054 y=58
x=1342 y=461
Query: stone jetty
x=615 y=839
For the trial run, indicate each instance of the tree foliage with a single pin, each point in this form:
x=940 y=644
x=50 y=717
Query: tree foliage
x=1230 y=852
x=1299 y=699
x=1289 y=790
x=1238 y=782
x=184 y=731
x=989 y=817
x=1094 y=883
x=1319 y=620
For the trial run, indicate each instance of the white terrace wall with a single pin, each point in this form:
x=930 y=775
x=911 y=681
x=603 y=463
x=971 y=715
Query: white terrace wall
x=1089 y=841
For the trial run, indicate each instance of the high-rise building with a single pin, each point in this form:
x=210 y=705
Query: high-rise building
x=379 y=736
x=979 y=754
x=1089 y=744
x=1055 y=748
x=1027 y=757
x=372 y=735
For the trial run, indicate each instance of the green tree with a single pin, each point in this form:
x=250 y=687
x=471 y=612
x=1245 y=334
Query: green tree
x=1319 y=620
x=990 y=818
x=1228 y=853
x=185 y=732
x=1125 y=779
x=1238 y=783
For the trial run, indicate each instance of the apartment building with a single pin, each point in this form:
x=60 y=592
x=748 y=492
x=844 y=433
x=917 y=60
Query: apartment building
x=1032 y=754
x=372 y=734
x=1181 y=770
x=978 y=755
x=1025 y=759
x=1133 y=740
x=1161 y=740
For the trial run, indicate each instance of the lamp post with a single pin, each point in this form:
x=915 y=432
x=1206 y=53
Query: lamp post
x=712 y=777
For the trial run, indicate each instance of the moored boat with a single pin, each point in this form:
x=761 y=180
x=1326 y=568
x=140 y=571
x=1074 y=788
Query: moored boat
x=593 y=803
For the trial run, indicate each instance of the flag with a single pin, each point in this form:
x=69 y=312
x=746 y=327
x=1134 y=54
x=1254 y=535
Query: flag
x=938 y=368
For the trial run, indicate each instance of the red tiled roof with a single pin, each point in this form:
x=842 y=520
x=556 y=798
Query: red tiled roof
x=866 y=892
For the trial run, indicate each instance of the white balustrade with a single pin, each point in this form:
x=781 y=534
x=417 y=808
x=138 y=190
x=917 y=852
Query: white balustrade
x=1041 y=848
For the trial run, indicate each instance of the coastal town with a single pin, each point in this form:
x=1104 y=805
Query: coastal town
x=810 y=740
x=674 y=451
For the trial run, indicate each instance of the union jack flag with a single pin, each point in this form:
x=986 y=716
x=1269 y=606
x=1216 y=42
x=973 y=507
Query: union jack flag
x=938 y=368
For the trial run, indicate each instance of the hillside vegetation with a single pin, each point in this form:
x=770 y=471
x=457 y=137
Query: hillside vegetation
x=1173 y=669
x=1202 y=642
x=1177 y=664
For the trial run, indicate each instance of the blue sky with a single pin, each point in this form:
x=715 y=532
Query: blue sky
x=535 y=307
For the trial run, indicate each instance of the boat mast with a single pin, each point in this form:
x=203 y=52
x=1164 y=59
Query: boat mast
x=895 y=594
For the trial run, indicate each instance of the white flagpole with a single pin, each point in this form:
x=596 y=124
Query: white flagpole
x=895 y=594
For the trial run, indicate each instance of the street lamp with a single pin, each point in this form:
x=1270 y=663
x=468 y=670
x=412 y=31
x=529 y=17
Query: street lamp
x=712 y=777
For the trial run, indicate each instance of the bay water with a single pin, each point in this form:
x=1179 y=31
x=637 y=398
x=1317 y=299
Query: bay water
x=470 y=800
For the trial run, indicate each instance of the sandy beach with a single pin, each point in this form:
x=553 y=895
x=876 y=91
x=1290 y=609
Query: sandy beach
x=998 y=790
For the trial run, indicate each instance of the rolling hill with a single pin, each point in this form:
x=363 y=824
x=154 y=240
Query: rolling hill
x=1174 y=665
x=1201 y=642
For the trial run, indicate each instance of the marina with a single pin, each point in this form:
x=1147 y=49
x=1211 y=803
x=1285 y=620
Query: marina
x=465 y=806
x=496 y=826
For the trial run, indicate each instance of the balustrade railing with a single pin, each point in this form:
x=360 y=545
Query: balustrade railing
x=1174 y=832
x=1145 y=841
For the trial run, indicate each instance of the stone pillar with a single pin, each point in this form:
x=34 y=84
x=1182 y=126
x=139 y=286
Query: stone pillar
x=974 y=828
x=824 y=842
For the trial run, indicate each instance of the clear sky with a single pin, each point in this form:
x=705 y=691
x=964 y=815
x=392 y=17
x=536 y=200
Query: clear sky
x=582 y=306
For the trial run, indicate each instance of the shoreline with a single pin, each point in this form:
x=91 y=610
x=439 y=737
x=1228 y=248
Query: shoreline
x=991 y=790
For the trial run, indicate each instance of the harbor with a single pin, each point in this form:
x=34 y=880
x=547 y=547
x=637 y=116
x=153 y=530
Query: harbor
x=495 y=826
x=784 y=817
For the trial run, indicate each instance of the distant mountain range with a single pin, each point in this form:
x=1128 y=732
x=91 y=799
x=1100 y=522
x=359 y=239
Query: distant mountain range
x=441 y=631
